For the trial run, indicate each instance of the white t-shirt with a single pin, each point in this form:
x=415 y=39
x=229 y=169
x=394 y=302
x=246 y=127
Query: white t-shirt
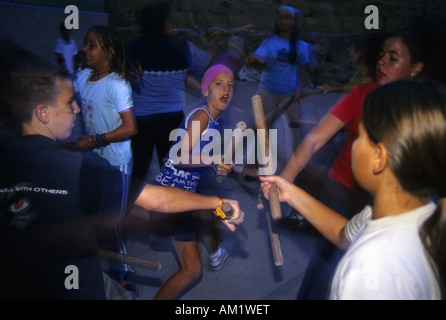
x=102 y=102
x=386 y=259
x=67 y=50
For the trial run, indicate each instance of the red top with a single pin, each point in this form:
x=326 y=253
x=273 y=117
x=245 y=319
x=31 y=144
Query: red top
x=349 y=110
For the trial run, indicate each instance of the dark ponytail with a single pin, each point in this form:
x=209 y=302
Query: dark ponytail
x=409 y=118
x=433 y=236
x=295 y=35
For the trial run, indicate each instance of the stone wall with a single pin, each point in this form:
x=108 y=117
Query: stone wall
x=324 y=16
x=328 y=24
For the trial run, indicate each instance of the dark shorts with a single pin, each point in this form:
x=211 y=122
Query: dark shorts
x=181 y=225
x=183 y=228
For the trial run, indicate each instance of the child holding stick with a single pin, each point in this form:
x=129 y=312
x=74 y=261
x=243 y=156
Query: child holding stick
x=217 y=87
x=394 y=246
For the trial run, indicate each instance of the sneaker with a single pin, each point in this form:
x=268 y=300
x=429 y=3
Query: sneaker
x=130 y=285
x=217 y=262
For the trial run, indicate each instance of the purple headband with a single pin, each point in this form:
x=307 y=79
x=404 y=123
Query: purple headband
x=211 y=73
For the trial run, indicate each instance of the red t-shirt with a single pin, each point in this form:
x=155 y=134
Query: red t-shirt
x=349 y=110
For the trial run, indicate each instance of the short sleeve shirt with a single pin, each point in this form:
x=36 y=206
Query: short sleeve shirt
x=349 y=110
x=386 y=259
x=102 y=102
x=279 y=76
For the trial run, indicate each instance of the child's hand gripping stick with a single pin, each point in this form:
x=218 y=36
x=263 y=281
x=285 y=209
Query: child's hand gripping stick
x=225 y=211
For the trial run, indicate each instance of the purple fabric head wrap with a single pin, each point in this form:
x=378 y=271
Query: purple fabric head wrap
x=211 y=73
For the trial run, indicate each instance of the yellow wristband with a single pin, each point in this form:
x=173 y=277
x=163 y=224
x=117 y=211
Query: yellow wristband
x=218 y=212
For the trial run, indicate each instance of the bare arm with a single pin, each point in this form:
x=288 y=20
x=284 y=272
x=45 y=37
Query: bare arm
x=254 y=62
x=174 y=200
x=126 y=130
x=328 y=222
x=192 y=83
x=313 y=141
x=196 y=159
x=170 y=200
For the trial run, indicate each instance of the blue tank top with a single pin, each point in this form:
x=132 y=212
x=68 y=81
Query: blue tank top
x=187 y=178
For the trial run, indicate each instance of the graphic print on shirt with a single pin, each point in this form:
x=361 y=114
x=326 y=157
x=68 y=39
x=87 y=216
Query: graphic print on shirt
x=283 y=55
x=89 y=119
x=16 y=209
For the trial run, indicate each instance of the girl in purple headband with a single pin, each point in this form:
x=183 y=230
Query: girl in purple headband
x=183 y=171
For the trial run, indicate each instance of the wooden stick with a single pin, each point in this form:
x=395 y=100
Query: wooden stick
x=217 y=35
x=301 y=98
x=275 y=243
x=241 y=125
x=238 y=29
x=273 y=194
x=240 y=230
x=246 y=171
x=231 y=148
x=297 y=122
x=260 y=123
x=138 y=262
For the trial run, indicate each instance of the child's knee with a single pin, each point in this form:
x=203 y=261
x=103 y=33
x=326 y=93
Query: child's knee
x=193 y=271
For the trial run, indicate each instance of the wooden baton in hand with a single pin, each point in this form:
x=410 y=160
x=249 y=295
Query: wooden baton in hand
x=241 y=125
x=273 y=194
x=227 y=213
x=261 y=124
